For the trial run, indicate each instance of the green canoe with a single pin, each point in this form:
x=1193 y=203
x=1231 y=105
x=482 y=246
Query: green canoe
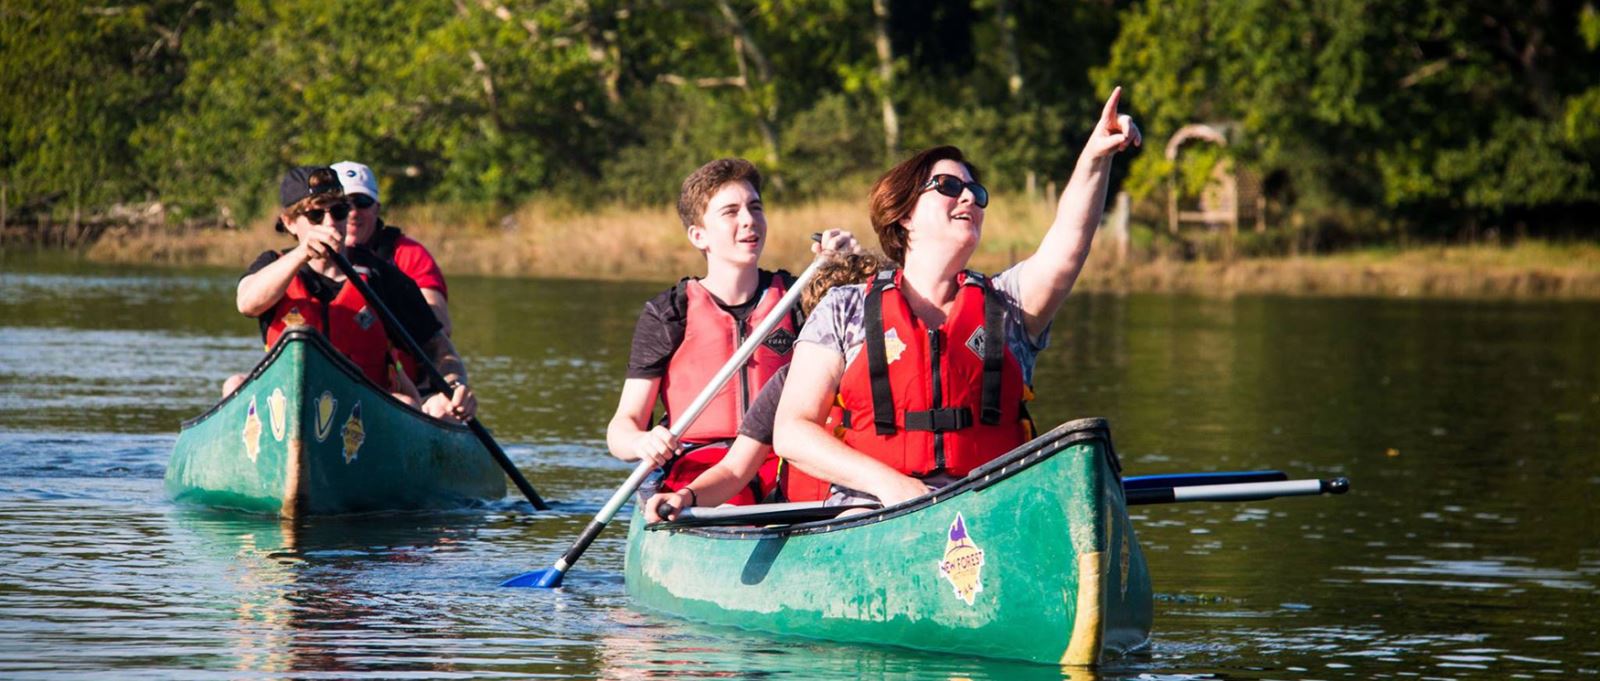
x=1031 y=557
x=307 y=434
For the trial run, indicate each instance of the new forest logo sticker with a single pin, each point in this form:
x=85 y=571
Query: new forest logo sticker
x=963 y=562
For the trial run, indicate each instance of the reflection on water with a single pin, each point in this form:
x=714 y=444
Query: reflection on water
x=1469 y=547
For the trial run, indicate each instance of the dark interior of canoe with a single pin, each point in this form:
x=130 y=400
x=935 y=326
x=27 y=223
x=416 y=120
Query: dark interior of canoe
x=339 y=361
x=1014 y=462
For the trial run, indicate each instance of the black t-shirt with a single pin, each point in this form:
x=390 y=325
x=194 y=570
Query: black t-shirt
x=757 y=421
x=397 y=291
x=659 y=331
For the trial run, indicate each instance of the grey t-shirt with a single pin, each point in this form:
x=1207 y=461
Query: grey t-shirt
x=836 y=322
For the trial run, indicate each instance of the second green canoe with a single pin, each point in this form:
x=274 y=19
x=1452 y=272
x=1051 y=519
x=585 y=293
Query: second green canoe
x=1031 y=557
x=307 y=434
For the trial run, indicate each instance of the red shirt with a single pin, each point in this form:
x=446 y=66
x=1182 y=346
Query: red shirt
x=415 y=260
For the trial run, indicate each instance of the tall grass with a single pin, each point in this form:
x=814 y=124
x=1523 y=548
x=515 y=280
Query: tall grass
x=554 y=240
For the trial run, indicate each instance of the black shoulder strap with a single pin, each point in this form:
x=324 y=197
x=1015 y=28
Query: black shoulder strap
x=386 y=241
x=795 y=315
x=679 y=307
x=877 y=355
x=994 y=349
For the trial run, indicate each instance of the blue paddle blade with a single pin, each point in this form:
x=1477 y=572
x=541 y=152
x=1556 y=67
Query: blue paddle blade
x=548 y=578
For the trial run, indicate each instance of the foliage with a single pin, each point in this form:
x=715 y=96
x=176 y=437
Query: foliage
x=1446 y=112
x=1437 y=113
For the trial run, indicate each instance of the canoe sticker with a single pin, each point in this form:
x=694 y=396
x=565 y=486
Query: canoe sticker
x=354 y=433
x=278 y=409
x=252 y=431
x=963 y=562
x=326 y=405
x=892 y=345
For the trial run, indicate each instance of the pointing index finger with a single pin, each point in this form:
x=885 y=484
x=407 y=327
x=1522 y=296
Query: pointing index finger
x=1109 y=115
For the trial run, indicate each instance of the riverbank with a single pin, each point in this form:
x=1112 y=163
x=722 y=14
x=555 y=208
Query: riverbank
x=648 y=245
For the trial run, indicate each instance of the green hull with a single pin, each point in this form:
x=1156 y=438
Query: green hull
x=307 y=434
x=1031 y=557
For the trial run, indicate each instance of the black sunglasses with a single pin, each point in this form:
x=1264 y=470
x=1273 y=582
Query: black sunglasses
x=362 y=201
x=951 y=186
x=339 y=211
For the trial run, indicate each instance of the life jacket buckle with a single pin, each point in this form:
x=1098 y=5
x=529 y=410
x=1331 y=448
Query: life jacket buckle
x=939 y=420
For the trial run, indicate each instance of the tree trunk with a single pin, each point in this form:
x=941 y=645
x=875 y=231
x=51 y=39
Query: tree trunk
x=1008 y=45
x=891 y=120
x=767 y=105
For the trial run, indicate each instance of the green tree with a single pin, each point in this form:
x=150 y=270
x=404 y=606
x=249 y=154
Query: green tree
x=1447 y=113
x=76 y=78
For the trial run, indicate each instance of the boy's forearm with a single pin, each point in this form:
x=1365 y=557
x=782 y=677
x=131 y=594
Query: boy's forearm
x=258 y=292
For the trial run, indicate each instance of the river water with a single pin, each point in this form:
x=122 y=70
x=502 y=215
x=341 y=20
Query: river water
x=1468 y=548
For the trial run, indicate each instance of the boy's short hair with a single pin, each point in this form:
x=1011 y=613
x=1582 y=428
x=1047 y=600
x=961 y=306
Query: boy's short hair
x=308 y=187
x=701 y=184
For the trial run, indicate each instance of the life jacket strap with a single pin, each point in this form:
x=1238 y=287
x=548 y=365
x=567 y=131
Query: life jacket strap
x=939 y=420
x=878 y=356
x=994 y=351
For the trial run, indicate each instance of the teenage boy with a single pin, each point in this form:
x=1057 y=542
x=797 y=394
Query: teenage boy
x=685 y=334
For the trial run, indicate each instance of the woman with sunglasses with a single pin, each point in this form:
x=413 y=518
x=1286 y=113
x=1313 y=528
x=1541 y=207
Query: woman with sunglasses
x=931 y=363
x=302 y=286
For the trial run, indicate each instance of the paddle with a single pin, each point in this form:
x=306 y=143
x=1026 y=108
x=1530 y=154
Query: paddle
x=550 y=577
x=760 y=514
x=1246 y=491
x=1192 y=479
x=434 y=376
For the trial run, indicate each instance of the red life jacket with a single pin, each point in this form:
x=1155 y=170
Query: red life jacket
x=710 y=337
x=798 y=485
x=347 y=322
x=927 y=400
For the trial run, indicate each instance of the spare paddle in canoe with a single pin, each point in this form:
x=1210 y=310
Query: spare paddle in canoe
x=1248 y=491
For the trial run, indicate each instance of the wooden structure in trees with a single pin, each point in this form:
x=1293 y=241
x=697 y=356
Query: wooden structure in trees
x=1229 y=196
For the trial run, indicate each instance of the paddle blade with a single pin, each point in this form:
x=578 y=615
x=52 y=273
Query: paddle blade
x=548 y=578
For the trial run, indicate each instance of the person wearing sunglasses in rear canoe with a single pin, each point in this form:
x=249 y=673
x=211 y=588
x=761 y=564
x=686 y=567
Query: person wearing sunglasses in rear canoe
x=931 y=363
x=367 y=229
x=301 y=286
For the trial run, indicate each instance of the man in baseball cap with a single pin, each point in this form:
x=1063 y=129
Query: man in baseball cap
x=388 y=242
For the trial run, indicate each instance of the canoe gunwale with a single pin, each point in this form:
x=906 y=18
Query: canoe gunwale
x=1020 y=459
x=321 y=344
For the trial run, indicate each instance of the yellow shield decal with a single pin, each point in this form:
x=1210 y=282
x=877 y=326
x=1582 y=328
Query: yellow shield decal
x=326 y=405
x=278 y=409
